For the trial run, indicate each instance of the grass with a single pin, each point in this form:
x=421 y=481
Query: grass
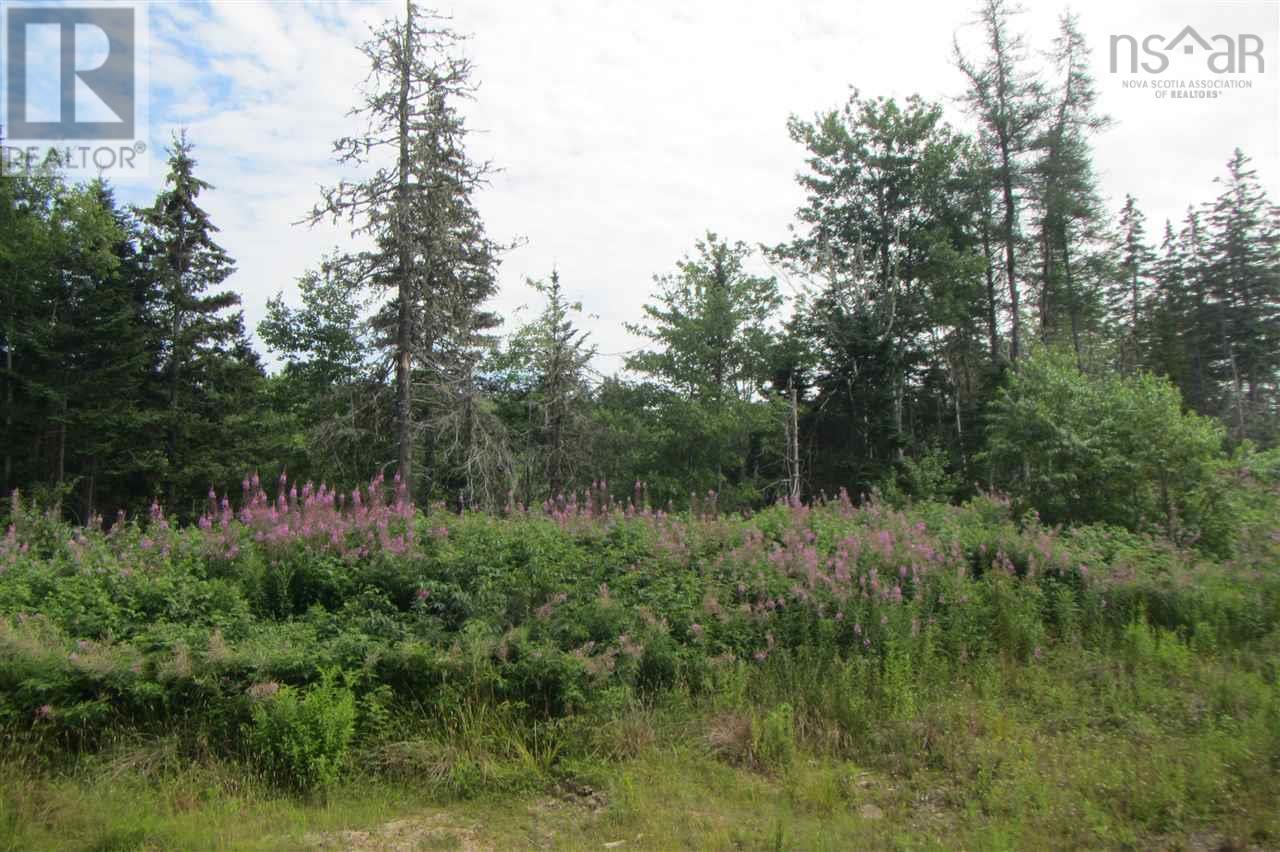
x=826 y=677
x=1076 y=749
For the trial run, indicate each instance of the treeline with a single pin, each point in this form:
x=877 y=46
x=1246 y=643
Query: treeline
x=932 y=263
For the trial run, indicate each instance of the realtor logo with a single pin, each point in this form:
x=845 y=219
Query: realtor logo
x=1224 y=54
x=70 y=73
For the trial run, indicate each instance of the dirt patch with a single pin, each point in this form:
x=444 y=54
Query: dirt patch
x=403 y=835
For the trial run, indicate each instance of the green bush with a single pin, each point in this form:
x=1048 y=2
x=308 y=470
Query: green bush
x=775 y=738
x=1109 y=449
x=301 y=737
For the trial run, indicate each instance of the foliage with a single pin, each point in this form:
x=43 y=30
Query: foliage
x=301 y=737
x=1108 y=449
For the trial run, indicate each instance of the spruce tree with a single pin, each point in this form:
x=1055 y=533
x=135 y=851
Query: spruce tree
x=1009 y=104
x=1129 y=297
x=1244 y=285
x=196 y=323
x=1069 y=210
x=431 y=253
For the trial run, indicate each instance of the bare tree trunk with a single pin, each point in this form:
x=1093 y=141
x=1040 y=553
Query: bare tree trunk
x=1075 y=303
x=1010 y=239
x=897 y=419
x=91 y=488
x=1237 y=389
x=8 y=407
x=1047 y=320
x=62 y=441
x=404 y=338
x=171 y=433
x=795 y=446
x=993 y=323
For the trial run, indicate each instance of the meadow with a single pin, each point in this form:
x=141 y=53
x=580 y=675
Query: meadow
x=311 y=669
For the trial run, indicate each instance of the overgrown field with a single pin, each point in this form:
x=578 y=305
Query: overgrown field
x=325 y=670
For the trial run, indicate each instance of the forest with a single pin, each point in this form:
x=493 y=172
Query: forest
x=973 y=537
x=935 y=264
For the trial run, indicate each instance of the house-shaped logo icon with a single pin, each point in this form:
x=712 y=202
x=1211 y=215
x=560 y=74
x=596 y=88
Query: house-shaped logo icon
x=1188 y=32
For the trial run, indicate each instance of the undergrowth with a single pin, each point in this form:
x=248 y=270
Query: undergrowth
x=968 y=673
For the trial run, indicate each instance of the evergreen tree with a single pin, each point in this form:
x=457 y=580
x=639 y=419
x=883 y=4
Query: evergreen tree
x=709 y=322
x=430 y=251
x=1244 y=275
x=890 y=229
x=558 y=358
x=1197 y=332
x=1009 y=103
x=1166 y=346
x=1129 y=297
x=1070 y=212
x=26 y=256
x=197 y=325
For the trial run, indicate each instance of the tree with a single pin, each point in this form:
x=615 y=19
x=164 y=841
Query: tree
x=1166 y=341
x=112 y=356
x=1129 y=298
x=1009 y=104
x=890 y=228
x=1110 y=449
x=187 y=265
x=709 y=322
x=1244 y=285
x=329 y=386
x=72 y=353
x=1069 y=210
x=430 y=248
x=547 y=361
x=26 y=204
x=1193 y=251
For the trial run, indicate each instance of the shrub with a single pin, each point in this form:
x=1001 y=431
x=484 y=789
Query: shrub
x=1110 y=449
x=301 y=737
x=775 y=738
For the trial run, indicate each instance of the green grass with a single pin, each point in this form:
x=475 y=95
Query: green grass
x=828 y=677
x=1077 y=749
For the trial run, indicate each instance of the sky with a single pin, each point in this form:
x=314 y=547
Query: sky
x=624 y=130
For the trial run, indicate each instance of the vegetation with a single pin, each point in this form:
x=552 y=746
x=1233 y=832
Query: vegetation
x=929 y=263
x=1088 y=685
x=973 y=542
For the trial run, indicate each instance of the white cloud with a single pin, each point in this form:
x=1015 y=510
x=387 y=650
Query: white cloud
x=626 y=129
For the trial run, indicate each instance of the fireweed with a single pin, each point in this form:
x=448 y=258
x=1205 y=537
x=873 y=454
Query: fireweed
x=583 y=591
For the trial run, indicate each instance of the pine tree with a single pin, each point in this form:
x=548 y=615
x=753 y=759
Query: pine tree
x=1129 y=294
x=430 y=251
x=1069 y=209
x=709 y=324
x=561 y=356
x=1197 y=334
x=1009 y=103
x=1244 y=285
x=112 y=423
x=890 y=236
x=26 y=258
x=1165 y=342
x=188 y=266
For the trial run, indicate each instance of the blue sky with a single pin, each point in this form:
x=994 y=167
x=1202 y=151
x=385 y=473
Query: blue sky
x=626 y=129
